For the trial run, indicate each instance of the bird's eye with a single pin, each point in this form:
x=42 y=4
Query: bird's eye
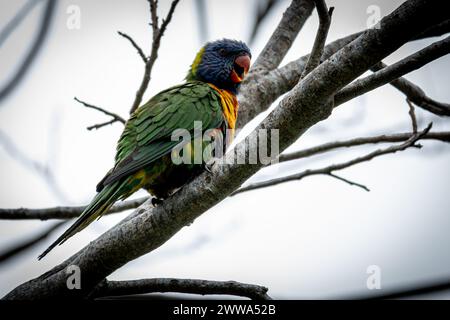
x=223 y=52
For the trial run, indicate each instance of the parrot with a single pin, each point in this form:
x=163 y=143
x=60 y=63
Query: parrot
x=143 y=153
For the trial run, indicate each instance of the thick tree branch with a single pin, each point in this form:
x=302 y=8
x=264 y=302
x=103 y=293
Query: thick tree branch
x=394 y=71
x=435 y=31
x=412 y=115
x=194 y=286
x=75 y=211
x=158 y=32
x=352 y=183
x=321 y=36
x=268 y=87
x=328 y=170
x=306 y=104
x=63 y=212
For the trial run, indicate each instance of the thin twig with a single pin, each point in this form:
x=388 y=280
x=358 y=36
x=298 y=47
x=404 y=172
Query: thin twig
x=412 y=115
x=335 y=167
x=108 y=113
x=158 y=32
x=330 y=146
x=63 y=212
x=135 y=45
x=352 y=183
x=321 y=36
x=115 y=117
x=194 y=286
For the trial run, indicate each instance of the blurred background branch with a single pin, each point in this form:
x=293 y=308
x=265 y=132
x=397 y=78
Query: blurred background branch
x=47 y=17
x=44 y=171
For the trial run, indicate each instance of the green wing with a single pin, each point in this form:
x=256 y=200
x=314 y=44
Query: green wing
x=147 y=134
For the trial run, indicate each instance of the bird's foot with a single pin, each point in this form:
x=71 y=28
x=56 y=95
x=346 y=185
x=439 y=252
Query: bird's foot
x=156 y=202
x=209 y=165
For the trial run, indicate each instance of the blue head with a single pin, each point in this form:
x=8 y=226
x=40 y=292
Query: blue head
x=223 y=63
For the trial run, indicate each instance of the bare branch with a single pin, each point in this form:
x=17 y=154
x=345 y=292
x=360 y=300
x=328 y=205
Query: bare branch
x=394 y=71
x=135 y=45
x=321 y=36
x=115 y=117
x=154 y=16
x=101 y=125
x=63 y=212
x=284 y=35
x=158 y=32
x=108 y=113
x=166 y=21
x=352 y=183
x=330 y=146
x=46 y=20
x=412 y=115
x=416 y=95
x=335 y=167
x=12 y=252
x=195 y=286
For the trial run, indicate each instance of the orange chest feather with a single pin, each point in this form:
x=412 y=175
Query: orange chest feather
x=230 y=106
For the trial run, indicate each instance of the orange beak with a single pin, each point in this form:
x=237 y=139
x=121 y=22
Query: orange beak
x=241 y=67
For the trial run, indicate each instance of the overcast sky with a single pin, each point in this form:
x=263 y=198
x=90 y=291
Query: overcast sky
x=313 y=238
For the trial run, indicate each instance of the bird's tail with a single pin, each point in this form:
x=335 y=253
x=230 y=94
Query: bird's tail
x=99 y=205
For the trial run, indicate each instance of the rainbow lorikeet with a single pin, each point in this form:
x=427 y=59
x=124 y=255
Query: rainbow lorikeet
x=143 y=158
